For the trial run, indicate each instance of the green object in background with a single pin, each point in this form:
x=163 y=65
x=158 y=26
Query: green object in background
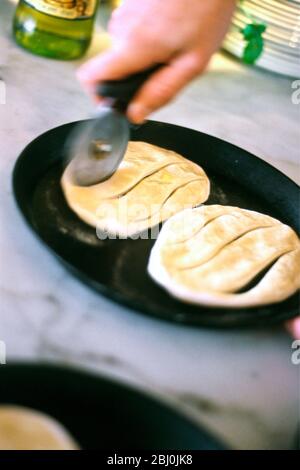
x=252 y=34
x=60 y=29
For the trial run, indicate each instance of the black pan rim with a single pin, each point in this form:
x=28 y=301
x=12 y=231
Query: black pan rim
x=214 y=321
x=146 y=396
x=262 y=162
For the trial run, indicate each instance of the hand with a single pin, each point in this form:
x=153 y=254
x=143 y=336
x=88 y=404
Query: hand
x=294 y=327
x=181 y=34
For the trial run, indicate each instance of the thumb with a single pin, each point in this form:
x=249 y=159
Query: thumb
x=164 y=84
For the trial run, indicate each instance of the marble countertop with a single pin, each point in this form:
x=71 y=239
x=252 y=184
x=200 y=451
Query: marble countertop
x=241 y=384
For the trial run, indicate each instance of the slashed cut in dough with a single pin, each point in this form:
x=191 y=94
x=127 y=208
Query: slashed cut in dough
x=209 y=255
x=150 y=185
x=26 y=429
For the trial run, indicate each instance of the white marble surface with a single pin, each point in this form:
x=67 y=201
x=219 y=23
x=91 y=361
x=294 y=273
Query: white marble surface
x=242 y=384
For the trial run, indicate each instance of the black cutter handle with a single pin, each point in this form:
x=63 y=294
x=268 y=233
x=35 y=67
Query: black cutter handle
x=122 y=91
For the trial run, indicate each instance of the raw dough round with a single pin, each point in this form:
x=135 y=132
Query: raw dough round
x=26 y=429
x=212 y=255
x=150 y=185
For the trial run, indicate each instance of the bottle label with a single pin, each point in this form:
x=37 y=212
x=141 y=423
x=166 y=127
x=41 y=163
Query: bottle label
x=68 y=9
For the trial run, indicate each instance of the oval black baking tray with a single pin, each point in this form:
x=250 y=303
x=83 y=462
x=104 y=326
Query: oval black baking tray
x=117 y=268
x=101 y=413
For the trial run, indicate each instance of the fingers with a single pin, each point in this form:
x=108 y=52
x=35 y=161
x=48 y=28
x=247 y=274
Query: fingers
x=294 y=328
x=164 y=84
x=115 y=64
x=159 y=89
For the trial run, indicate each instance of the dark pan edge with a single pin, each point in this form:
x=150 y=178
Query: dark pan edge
x=147 y=396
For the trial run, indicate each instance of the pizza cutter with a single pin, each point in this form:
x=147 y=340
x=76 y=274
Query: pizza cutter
x=95 y=149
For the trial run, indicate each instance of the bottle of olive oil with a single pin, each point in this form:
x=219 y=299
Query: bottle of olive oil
x=60 y=29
